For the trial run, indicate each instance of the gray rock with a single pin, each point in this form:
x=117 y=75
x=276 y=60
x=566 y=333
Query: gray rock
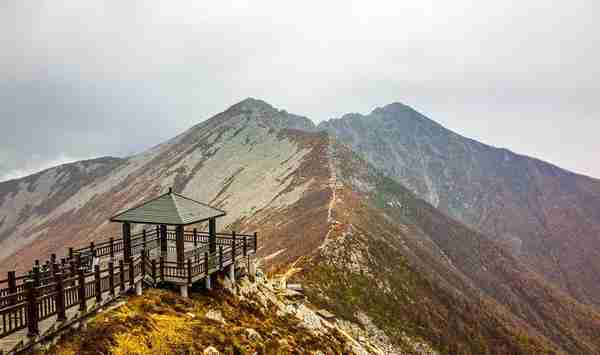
x=326 y=314
x=211 y=351
x=253 y=335
x=215 y=316
x=295 y=287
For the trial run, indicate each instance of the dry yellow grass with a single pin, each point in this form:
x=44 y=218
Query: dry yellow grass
x=161 y=322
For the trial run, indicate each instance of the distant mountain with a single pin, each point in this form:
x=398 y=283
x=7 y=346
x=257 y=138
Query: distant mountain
x=546 y=216
x=368 y=248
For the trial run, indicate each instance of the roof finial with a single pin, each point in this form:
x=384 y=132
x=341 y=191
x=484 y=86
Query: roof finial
x=170 y=190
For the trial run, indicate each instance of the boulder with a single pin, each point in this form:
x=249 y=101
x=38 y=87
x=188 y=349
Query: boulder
x=309 y=319
x=253 y=335
x=326 y=314
x=215 y=316
x=295 y=287
x=211 y=351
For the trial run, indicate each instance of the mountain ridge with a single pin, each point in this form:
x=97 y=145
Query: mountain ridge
x=366 y=244
x=546 y=215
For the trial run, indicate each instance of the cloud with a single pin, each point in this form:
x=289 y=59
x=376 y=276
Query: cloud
x=85 y=78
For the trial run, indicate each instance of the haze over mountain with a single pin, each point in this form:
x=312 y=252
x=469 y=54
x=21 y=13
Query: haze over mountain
x=86 y=79
x=350 y=215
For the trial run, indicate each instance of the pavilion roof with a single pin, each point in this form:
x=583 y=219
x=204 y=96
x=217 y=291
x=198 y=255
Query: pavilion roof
x=169 y=209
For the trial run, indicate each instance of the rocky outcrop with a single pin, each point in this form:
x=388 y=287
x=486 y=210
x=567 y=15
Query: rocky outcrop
x=160 y=322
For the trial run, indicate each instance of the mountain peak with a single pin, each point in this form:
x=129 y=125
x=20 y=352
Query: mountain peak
x=394 y=107
x=259 y=111
x=395 y=113
x=252 y=105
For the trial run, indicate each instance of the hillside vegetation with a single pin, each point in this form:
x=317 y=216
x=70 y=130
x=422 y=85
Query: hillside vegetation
x=162 y=322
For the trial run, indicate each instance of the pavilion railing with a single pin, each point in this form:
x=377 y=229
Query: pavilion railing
x=37 y=303
x=12 y=289
x=65 y=285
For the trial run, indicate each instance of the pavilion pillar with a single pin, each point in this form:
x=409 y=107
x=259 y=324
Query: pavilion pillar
x=126 y=241
x=179 y=245
x=163 y=239
x=212 y=235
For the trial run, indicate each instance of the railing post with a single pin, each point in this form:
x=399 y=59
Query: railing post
x=189 y=271
x=70 y=252
x=163 y=239
x=255 y=242
x=162 y=268
x=98 y=283
x=112 y=247
x=143 y=239
x=154 y=270
x=73 y=270
x=127 y=241
x=233 y=247
x=180 y=246
x=92 y=250
x=60 y=297
x=33 y=329
x=111 y=277
x=245 y=245
x=220 y=257
x=121 y=275
x=144 y=260
x=36 y=276
x=131 y=272
x=206 y=265
x=195 y=237
x=47 y=270
x=82 y=300
x=54 y=267
x=12 y=286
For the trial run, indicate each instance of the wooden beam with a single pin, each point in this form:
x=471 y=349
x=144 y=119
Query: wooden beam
x=179 y=245
x=126 y=241
x=212 y=235
x=163 y=239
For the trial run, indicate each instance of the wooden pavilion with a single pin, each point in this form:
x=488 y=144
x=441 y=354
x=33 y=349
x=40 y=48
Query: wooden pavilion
x=170 y=209
x=59 y=293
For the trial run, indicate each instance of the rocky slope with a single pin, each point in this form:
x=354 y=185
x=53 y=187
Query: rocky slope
x=248 y=160
x=464 y=293
x=254 y=319
x=546 y=216
x=369 y=250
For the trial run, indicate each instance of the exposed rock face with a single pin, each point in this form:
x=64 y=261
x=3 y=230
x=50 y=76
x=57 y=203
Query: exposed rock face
x=547 y=216
x=370 y=251
x=248 y=160
x=28 y=202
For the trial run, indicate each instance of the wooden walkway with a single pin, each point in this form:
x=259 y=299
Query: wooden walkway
x=17 y=341
x=34 y=306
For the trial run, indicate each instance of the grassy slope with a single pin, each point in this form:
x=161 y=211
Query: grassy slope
x=161 y=322
x=403 y=299
x=481 y=302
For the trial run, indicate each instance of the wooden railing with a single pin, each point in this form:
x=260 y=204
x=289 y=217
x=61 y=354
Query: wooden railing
x=53 y=289
x=54 y=299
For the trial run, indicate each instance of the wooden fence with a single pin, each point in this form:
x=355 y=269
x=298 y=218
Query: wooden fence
x=52 y=289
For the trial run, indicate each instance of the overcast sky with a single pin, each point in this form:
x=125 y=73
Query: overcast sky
x=81 y=79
